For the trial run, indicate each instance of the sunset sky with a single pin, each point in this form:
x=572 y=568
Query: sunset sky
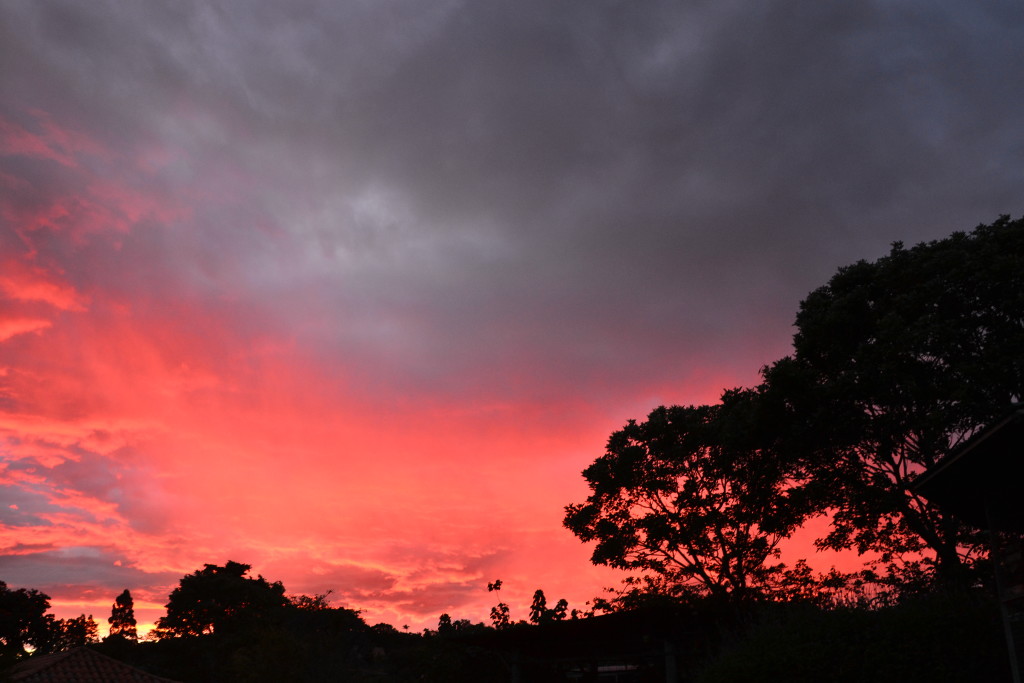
x=353 y=291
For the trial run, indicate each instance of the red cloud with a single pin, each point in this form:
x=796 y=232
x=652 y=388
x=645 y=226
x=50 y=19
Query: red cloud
x=10 y=327
x=170 y=412
x=51 y=141
x=23 y=282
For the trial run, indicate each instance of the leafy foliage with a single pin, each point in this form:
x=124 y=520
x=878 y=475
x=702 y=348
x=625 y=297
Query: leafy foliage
x=66 y=634
x=541 y=614
x=122 y=617
x=694 y=496
x=500 y=616
x=24 y=624
x=224 y=625
x=896 y=362
x=220 y=599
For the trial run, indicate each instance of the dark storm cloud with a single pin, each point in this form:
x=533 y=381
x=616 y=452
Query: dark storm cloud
x=649 y=185
x=89 y=568
x=469 y=190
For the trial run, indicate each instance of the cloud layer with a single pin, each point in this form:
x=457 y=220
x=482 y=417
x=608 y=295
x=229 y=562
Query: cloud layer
x=353 y=291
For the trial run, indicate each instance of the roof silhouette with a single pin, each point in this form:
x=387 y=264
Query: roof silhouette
x=976 y=483
x=80 y=665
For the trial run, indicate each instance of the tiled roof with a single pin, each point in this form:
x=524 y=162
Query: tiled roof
x=81 y=665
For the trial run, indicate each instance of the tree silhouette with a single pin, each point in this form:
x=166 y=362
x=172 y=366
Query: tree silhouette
x=220 y=599
x=539 y=607
x=895 y=363
x=500 y=614
x=539 y=612
x=122 y=617
x=692 y=496
x=24 y=624
x=67 y=634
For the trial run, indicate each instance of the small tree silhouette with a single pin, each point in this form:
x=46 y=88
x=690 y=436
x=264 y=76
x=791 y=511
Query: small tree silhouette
x=122 y=617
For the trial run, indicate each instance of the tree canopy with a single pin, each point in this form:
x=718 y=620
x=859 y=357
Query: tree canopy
x=895 y=363
x=122 y=617
x=24 y=624
x=217 y=599
x=691 y=496
x=66 y=634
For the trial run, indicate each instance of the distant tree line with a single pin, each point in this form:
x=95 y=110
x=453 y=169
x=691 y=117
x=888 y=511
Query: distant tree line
x=895 y=363
x=224 y=624
x=220 y=624
x=26 y=626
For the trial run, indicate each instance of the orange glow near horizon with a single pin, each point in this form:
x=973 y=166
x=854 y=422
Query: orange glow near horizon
x=159 y=415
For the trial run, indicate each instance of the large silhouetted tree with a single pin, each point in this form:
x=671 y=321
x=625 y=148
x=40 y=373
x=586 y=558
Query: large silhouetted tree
x=693 y=496
x=122 y=617
x=24 y=624
x=221 y=599
x=895 y=363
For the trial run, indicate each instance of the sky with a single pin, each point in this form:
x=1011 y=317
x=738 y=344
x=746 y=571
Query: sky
x=353 y=291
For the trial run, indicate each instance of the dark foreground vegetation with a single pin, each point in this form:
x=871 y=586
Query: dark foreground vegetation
x=896 y=364
x=935 y=638
x=927 y=638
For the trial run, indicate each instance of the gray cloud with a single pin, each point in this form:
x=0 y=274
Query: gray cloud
x=571 y=190
x=535 y=207
x=84 y=569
